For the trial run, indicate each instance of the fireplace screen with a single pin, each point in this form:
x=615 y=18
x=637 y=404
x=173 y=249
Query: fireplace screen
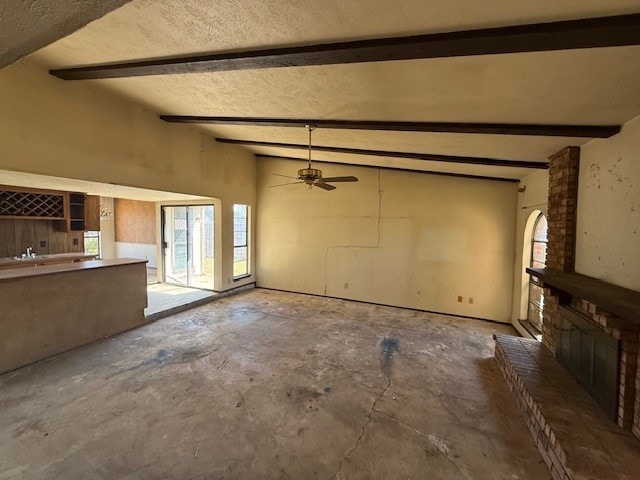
x=592 y=357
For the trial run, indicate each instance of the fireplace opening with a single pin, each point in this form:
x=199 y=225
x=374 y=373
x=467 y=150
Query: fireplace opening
x=592 y=357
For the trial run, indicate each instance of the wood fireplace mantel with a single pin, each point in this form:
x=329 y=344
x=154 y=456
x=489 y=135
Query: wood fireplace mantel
x=623 y=302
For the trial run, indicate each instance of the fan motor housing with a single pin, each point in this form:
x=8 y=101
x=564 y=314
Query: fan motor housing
x=309 y=175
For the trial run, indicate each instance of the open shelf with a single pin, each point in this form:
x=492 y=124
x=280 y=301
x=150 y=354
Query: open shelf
x=76 y=212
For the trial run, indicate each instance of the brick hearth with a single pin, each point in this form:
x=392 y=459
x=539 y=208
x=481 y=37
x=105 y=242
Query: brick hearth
x=576 y=439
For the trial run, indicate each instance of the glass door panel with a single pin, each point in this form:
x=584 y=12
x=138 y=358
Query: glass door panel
x=175 y=245
x=188 y=245
x=201 y=246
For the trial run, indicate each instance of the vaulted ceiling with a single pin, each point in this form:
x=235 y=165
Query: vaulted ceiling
x=28 y=25
x=572 y=86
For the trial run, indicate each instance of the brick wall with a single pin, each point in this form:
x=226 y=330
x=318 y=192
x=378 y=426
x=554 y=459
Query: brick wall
x=549 y=315
x=561 y=218
x=561 y=213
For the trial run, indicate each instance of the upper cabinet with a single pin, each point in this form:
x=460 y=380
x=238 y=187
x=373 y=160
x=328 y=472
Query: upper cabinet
x=34 y=204
x=92 y=212
x=75 y=212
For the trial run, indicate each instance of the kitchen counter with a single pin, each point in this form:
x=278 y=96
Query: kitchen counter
x=50 y=309
x=15 y=273
x=40 y=260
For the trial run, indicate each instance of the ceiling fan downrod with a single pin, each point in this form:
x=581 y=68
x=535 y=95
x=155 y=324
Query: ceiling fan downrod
x=310 y=128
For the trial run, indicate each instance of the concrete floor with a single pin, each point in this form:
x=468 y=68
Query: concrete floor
x=269 y=385
x=164 y=297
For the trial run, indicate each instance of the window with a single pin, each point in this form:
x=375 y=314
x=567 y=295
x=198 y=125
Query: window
x=240 y=241
x=538 y=260
x=92 y=243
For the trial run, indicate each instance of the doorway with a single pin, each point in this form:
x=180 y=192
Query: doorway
x=188 y=245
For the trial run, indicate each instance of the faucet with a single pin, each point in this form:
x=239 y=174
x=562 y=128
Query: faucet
x=30 y=252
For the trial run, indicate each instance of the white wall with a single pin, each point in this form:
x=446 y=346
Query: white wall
x=608 y=223
x=397 y=238
x=67 y=129
x=532 y=200
x=143 y=251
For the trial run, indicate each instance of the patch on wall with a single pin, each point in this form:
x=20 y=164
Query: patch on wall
x=443 y=244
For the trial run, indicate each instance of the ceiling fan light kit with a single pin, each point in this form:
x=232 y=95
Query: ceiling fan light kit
x=313 y=176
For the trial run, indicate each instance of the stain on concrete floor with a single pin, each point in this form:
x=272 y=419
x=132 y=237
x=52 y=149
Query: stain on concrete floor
x=271 y=385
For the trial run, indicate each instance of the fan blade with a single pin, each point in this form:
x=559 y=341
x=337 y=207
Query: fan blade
x=324 y=186
x=283 y=184
x=285 y=176
x=340 y=179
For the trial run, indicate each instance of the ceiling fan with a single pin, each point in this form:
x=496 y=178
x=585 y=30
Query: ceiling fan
x=313 y=176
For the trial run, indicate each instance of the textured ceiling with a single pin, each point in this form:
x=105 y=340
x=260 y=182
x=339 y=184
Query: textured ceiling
x=596 y=86
x=29 y=180
x=27 y=25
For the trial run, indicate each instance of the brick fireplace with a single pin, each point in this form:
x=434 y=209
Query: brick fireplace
x=582 y=296
x=585 y=375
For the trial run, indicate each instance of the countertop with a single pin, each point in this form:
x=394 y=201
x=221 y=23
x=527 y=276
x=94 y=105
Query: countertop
x=44 y=260
x=9 y=274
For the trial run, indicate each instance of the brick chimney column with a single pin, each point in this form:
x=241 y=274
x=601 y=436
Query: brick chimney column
x=561 y=220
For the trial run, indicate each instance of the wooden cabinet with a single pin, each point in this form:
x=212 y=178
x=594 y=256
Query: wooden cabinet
x=75 y=222
x=19 y=203
x=72 y=211
x=84 y=212
x=92 y=213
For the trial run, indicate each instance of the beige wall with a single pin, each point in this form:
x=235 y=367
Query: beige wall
x=67 y=129
x=235 y=182
x=397 y=238
x=531 y=201
x=108 y=231
x=608 y=223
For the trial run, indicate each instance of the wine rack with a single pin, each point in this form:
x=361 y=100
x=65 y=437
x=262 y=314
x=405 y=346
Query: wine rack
x=34 y=205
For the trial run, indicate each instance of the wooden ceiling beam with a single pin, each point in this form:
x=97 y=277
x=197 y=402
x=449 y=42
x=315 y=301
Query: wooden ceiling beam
x=384 y=153
x=412 y=170
x=582 y=131
x=615 y=31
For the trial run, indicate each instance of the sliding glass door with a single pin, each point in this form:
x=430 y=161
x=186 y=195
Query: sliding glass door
x=188 y=245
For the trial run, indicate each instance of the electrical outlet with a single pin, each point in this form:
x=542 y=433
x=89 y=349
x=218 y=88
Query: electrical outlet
x=75 y=241
x=470 y=300
x=43 y=243
x=459 y=298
